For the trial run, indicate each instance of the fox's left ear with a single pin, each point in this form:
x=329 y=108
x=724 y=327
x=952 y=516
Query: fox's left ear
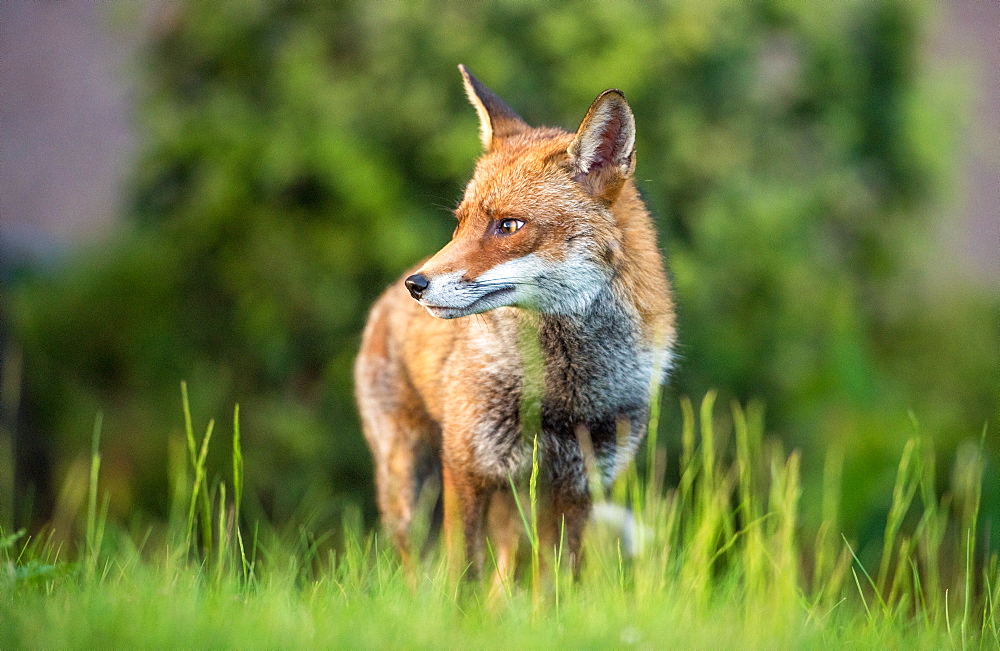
x=496 y=119
x=603 y=152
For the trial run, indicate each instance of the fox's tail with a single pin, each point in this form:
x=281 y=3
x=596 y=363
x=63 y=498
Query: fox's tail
x=618 y=518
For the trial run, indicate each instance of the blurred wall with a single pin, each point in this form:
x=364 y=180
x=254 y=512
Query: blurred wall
x=66 y=137
x=970 y=32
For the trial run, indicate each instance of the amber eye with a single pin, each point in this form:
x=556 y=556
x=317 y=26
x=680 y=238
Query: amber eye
x=508 y=226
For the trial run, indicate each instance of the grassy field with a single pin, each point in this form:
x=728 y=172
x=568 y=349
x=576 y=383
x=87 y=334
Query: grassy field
x=723 y=561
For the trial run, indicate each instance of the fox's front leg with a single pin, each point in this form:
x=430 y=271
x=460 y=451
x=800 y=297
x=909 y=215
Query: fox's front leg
x=569 y=503
x=569 y=515
x=465 y=506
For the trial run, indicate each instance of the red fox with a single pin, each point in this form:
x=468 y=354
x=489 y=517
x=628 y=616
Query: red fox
x=554 y=240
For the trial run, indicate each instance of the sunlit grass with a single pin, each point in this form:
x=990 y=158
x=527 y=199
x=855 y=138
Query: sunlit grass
x=723 y=560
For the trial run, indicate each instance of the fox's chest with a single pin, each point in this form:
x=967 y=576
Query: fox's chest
x=590 y=381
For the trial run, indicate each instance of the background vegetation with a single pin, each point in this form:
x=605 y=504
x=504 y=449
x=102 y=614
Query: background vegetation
x=299 y=156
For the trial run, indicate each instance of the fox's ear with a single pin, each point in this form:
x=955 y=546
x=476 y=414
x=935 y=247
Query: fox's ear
x=496 y=119
x=603 y=152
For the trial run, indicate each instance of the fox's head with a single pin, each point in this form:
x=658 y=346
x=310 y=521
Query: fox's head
x=536 y=227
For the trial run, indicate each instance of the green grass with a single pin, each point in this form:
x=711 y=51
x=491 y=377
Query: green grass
x=725 y=562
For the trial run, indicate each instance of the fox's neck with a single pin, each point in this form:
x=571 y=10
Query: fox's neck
x=607 y=328
x=608 y=319
x=639 y=279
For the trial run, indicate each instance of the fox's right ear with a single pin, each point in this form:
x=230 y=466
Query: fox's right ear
x=496 y=119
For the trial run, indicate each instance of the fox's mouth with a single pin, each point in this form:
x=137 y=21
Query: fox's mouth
x=488 y=301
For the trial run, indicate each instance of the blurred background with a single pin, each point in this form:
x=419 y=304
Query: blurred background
x=216 y=192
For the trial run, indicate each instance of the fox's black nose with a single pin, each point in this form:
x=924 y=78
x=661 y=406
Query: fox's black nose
x=416 y=283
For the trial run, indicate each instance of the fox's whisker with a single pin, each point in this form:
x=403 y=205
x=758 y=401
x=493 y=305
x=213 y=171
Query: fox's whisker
x=512 y=283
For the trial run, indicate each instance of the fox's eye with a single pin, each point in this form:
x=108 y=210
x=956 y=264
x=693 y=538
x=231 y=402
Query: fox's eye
x=508 y=226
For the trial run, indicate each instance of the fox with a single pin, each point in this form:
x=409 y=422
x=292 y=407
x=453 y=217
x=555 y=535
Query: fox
x=553 y=246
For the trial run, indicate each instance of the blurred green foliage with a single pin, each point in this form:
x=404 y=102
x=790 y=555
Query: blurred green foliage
x=299 y=156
